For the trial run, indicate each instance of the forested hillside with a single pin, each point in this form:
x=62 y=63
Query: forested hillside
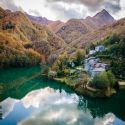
x=21 y=40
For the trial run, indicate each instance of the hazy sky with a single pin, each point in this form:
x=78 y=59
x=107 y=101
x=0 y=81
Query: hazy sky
x=66 y=9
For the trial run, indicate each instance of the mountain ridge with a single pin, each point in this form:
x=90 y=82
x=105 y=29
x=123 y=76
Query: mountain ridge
x=75 y=28
x=28 y=34
x=39 y=19
x=57 y=37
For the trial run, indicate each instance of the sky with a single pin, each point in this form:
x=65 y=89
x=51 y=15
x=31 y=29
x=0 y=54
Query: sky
x=66 y=9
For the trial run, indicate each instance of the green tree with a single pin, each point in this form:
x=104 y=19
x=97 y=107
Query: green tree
x=101 y=81
x=92 y=46
x=104 y=80
x=111 y=78
x=114 y=38
x=80 y=56
x=61 y=63
x=118 y=68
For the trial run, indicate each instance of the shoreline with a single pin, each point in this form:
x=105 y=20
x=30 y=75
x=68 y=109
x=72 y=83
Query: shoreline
x=87 y=91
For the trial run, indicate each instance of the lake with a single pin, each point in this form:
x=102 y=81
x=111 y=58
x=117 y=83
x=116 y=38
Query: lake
x=27 y=98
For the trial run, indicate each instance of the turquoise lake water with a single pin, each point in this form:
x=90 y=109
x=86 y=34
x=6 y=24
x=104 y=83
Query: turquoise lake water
x=27 y=98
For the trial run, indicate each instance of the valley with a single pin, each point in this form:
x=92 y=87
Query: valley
x=54 y=68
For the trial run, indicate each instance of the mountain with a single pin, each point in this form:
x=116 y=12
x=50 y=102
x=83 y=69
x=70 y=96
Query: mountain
x=30 y=42
x=99 y=20
x=117 y=27
x=13 y=53
x=75 y=28
x=103 y=18
x=4 y=13
x=48 y=43
x=55 y=25
x=72 y=30
x=39 y=20
x=16 y=27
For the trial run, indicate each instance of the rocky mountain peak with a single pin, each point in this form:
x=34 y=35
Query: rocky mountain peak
x=104 y=16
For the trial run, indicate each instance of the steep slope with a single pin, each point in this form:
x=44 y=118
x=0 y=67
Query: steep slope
x=3 y=12
x=49 y=42
x=103 y=18
x=75 y=28
x=99 y=20
x=39 y=20
x=55 y=26
x=117 y=27
x=13 y=53
x=72 y=30
x=18 y=24
x=29 y=35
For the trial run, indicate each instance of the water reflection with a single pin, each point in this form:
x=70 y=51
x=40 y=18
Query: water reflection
x=7 y=106
x=60 y=109
x=16 y=83
x=28 y=98
x=35 y=97
x=100 y=107
x=54 y=108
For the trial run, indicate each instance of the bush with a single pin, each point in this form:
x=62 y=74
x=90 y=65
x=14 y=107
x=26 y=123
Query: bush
x=118 y=68
x=80 y=56
x=64 y=72
x=12 y=53
x=61 y=63
x=114 y=38
x=111 y=78
x=115 y=53
x=103 y=80
x=8 y=25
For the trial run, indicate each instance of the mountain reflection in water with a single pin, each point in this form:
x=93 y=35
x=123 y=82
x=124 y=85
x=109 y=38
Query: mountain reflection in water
x=39 y=101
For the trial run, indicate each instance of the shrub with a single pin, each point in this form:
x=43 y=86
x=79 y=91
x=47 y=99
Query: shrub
x=114 y=38
x=103 y=80
x=111 y=78
x=115 y=53
x=118 y=68
x=61 y=63
x=12 y=53
x=80 y=55
x=8 y=25
x=64 y=72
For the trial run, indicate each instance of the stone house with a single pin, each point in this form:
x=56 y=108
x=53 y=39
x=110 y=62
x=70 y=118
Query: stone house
x=99 y=48
x=93 y=67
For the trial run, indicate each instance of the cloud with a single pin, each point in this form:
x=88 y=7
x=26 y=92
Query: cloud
x=7 y=106
x=64 y=114
x=10 y=4
x=34 y=12
x=94 y=5
x=113 y=5
x=65 y=9
x=56 y=108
